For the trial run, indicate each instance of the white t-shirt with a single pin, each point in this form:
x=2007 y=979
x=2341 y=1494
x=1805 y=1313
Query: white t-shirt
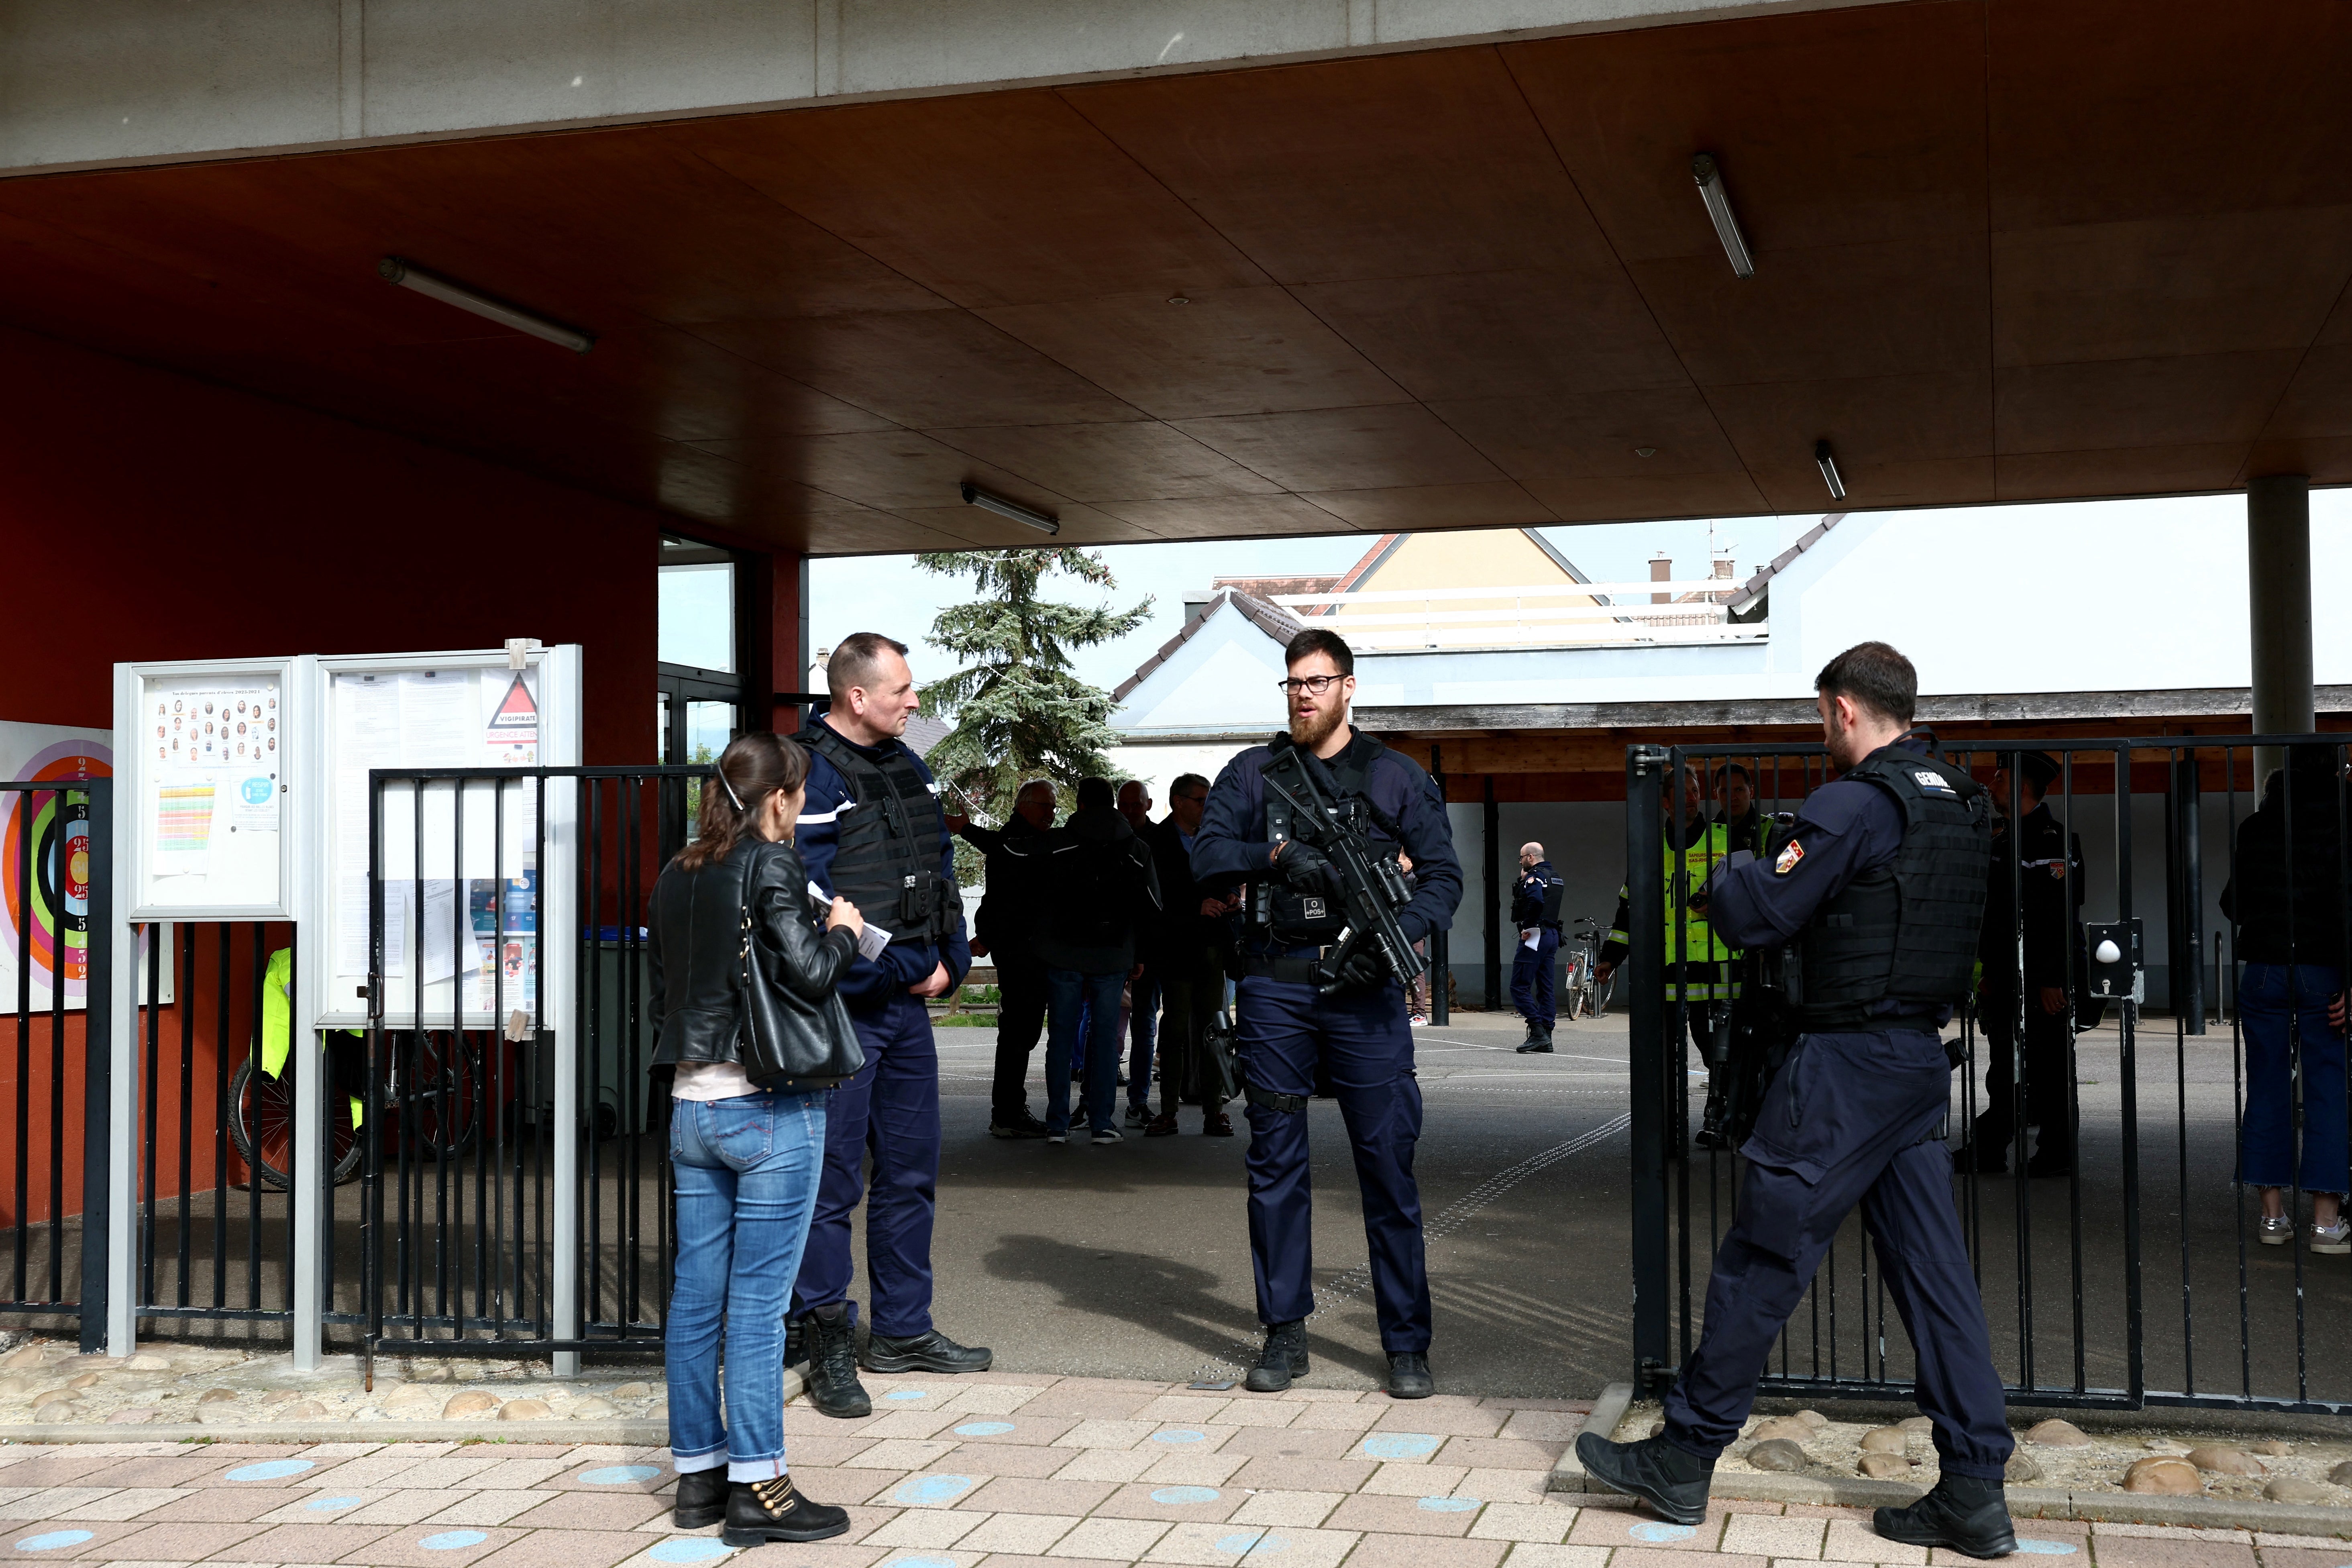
x=711 y=1080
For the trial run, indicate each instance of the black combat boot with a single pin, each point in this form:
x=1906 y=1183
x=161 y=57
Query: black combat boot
x=1672 y=1482
x=1409 y=1375
x=1284 y=1358
x=832 y=1377
x=701 y=1497
x=929 y=1351
x=1538 y=1041
x=1962 y=1513
x=761 y=1512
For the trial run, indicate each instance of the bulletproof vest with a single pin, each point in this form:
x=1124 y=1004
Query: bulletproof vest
x=1907 y=930
x=888 y=860
x=1297 y=919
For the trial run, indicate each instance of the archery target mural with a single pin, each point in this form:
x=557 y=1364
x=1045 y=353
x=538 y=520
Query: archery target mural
x=45 y=875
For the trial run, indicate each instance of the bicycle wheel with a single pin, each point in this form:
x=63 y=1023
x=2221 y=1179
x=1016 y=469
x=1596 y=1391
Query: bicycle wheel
x=261 y=1126
x=441 y=1079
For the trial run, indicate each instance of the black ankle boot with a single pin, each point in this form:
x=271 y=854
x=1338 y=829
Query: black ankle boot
x=832 y=1375
x=1283 y=1358
x=761 y=1512
x=701 y=1497
x=1409 y=1375
x=1672 y=1482
x=1962 y=1513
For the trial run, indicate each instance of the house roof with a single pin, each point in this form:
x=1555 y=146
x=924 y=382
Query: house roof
x=1753 y=589
x=1270 y=618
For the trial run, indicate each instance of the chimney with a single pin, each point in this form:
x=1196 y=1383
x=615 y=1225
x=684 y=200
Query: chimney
x=1662 y=570
x=1722 y=568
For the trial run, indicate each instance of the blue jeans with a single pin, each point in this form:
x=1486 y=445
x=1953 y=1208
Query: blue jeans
x=747 y=1175
x=1143 y=1028
x=2266 y=1150
x=1067 y=992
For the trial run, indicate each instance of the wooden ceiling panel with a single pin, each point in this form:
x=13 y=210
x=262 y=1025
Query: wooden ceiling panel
x=1856 y=126
x=875 y=533
x=1894 y=309
x=1228 y=351
x=922 y=368
x=1397 y=165
x=1798 y=487
x=2117 y=405
x=1226 y=517
x=1496 y=504
x=1876 y=420
x=991 y=198
x=1346 y=449
x=2120 y=471
x=1591 y=433
x=2327 y=459
x=1611 y=498
x=896 y=470
x=1133 y=460
x=2318 y=401
x=1492 y=334
x=2211 y=283
x=982 y=530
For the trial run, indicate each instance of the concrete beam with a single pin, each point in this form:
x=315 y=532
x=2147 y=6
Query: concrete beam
x=153 y=81
x=2278 y=583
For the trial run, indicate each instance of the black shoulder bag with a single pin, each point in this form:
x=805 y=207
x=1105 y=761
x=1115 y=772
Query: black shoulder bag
x=790 y=1046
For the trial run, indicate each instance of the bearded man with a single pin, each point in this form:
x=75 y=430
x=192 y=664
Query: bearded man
x=1353 y=1045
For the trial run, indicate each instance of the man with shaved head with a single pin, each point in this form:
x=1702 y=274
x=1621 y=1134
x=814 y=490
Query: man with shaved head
x=1535 y=909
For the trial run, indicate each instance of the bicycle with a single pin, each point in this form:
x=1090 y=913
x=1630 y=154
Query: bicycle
x=431 y=1086
x=1588 y=996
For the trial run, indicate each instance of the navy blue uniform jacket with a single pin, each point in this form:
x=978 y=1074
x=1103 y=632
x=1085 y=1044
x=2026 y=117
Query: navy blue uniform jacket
x=1232 y=842
x=871 y=982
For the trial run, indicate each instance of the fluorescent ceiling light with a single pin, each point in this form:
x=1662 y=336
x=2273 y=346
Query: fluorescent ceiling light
x=974 y=496
x=408 y=275
x=1719 y=209
x=1827 y=463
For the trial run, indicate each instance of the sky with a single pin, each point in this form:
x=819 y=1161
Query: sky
x=887 y=593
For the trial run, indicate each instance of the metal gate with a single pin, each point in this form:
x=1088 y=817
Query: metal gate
x=515 y=1190
x=2140 y=1276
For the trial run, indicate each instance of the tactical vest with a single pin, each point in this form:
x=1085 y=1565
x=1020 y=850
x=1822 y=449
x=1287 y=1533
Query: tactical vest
x=1297 y=918
x=1908 y=929
x=888 y=862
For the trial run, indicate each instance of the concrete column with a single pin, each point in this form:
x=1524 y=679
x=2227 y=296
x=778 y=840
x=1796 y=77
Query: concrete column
x=2278 y=579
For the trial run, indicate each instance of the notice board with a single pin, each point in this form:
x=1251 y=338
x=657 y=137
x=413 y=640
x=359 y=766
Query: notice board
x=208 y=758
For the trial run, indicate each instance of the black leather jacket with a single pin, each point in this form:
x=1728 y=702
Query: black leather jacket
x=696 y=954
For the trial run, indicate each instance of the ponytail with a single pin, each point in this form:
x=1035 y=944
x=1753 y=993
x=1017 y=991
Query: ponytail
x=751 y=768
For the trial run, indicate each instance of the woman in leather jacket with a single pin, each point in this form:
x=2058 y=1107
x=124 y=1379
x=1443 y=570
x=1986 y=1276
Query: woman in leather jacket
x=747 y=1160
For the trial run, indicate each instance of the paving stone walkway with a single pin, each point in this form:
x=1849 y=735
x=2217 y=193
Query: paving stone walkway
x=1001 y=1470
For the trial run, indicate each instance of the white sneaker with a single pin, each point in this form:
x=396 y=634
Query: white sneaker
x=2331 y=1238
x=1109 y=1135
x=2274 y=1230
x=1058 y=1137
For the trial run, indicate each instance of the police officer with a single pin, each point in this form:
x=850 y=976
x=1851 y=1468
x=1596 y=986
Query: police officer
x=1736 y=812
x=1354 y=1045
x=872 y=832
x=1876 y=890
x=1535 y=910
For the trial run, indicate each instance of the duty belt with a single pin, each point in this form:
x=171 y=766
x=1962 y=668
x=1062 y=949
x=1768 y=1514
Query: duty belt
x=1294 y=971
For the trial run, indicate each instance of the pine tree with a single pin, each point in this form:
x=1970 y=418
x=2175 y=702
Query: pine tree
x=1018 y=713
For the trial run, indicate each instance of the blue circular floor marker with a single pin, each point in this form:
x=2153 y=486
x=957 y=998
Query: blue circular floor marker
x=452 y=1541
x=690 y=1549
x=271 y=1470
x=1449 y=1504
x=1650 y=1530
x=1180 y=1436
x=333 y=1504
x=618 y=1475
x=1251 y=1542
x=53 y=1540
x=1176 y=1497
x=2044 y=1548
x=983 y=1428
x=1399 y=1444
x=933 y=1489
x=907 y=1394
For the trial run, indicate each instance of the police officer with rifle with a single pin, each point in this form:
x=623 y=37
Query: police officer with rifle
x=1313 y=823
x=1876 y=891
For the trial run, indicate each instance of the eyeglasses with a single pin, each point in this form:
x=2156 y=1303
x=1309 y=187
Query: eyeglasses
x=1190 y=799
x=1317 y=684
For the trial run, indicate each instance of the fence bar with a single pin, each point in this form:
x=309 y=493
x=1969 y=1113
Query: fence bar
x=1652 y=1258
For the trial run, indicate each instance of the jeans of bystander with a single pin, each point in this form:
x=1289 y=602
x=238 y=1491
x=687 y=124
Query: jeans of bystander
x=1093 y=1046
x=2267 y=994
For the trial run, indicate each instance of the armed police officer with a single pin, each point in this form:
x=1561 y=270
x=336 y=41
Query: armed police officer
x=1876 y=890
x=1535 y=910
x=1320 y=1009
x=872 y=832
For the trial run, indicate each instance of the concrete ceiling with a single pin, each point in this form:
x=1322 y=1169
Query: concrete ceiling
x=2006 y=250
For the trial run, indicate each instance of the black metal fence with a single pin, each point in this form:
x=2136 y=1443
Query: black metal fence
x=516 y=1192
x=56 y=911
x=2121 y=1255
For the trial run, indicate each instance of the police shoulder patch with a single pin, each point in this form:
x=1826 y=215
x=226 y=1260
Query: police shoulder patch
x=1933 y=783
x=1790 y=855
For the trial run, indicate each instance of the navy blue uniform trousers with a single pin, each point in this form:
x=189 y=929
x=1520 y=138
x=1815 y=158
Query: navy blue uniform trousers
x=1850 y=1118
x=1535 y=979
x=890 y=1110
x=1363 y=1045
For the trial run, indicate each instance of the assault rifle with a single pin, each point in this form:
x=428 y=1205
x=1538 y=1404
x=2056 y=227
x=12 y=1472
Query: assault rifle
x=1303 y=804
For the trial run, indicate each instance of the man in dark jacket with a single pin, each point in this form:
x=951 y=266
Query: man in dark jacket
x=2050 y=866
x=1003 y=929
x=1189 y=950
x=1096 y=894
x=1139 y=1022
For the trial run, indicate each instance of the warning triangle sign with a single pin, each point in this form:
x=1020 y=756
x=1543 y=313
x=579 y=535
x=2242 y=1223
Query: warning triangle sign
x=516 y=718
